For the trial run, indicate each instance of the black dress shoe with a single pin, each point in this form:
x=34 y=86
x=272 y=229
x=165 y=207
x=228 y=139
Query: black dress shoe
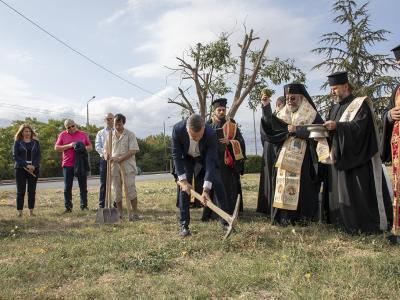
x=185 y=231
x=67 y=210
x=393 y=239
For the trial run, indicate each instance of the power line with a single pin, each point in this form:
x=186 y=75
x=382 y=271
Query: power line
x=18 y=108
x=80 y=53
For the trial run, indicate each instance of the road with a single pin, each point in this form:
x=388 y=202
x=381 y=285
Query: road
x=93 y=182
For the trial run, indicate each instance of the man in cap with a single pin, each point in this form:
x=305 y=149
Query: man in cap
x=267 y=183
x=101 y=137
x=359 y=199
x=390 y=151
x=195 y=142
x=231 y=152
x=296 y=174
x=66 y=143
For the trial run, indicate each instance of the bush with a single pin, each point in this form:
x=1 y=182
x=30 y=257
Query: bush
x=252 y=164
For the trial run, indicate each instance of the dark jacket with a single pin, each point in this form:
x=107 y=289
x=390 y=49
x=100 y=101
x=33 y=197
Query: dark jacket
x=20 y=153
x=207 y=147
x=81 y=167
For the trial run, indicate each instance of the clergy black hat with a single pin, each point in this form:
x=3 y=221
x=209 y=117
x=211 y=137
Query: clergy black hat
x=338 y=78
x=219 y=102
x=396 y=52
x=294 y=88
x=298 y=88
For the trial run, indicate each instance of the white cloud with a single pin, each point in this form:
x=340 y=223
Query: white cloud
x=144 y=116
x=21 y=57
x=131 y=7
x=18 y=101
x=114 y=17
x=11 y=87
x=187 y=22
x=147 y=70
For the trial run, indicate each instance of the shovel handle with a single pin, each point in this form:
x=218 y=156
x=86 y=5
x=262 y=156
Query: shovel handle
x=210 y=205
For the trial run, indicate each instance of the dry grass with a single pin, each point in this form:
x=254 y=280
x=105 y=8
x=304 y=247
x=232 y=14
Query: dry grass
x=55 y=256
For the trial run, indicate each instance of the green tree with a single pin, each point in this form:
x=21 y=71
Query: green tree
x=47 y=134
x=154 y=153
x=212 y=69
x=350 y=51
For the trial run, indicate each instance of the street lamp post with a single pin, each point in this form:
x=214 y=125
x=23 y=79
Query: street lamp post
x=87 y=112
x=87 y=128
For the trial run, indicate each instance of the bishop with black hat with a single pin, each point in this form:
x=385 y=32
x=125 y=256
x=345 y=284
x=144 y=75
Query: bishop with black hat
x=296 y=181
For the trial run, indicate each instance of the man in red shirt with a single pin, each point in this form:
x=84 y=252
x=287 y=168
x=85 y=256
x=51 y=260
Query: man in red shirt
x=66 y=144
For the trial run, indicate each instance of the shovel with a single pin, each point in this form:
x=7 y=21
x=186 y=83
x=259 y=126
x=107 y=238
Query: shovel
x=230 y=219
x=109 y=214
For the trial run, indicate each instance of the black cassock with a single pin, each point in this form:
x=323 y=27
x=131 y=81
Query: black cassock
x=276 y=132
x=386 y=152
x=230 y=176
x=353 y=203
x=267 y=182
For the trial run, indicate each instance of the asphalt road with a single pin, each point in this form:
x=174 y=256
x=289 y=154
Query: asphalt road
x=93 y=182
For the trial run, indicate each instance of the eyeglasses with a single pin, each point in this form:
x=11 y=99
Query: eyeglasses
x=71 y=126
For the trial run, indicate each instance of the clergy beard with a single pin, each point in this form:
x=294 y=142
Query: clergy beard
x=340 y=98
x=222 y=118
x=293 y=109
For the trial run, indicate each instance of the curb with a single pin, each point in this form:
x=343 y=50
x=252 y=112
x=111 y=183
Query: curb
x=50 y=179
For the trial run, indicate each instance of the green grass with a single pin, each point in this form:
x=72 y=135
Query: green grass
x=55 y=256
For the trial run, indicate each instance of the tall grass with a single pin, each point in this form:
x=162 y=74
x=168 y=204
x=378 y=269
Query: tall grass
x=55 y=256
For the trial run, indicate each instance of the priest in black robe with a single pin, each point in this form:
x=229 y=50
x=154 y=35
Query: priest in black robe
x=266 y=186
x=390 y=150
x=297 y=202
x=359 y=199
x=231 y=154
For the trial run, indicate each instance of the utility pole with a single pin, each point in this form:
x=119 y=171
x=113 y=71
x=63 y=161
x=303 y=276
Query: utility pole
x=87 y=128
x=165 y=149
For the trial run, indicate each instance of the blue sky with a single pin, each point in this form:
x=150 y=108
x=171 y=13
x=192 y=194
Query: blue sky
x=136 y=39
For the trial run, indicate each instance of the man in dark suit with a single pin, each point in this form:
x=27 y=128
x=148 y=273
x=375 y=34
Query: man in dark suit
x=195 y=142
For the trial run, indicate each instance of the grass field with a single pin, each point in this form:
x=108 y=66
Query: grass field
x=55 y=256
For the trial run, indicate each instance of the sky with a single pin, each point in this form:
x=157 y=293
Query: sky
x=136 y=39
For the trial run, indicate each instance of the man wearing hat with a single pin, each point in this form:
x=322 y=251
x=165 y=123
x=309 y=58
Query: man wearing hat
x=390 y=150
x=231 y=152
x=101 y=138
x=296 y=177
x=359 y=199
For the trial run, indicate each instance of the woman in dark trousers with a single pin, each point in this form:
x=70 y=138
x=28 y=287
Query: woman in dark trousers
x=26 y=154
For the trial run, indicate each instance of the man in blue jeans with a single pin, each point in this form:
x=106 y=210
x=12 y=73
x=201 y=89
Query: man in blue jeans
x=65 y=143
x=195 y=142
x=99 y=146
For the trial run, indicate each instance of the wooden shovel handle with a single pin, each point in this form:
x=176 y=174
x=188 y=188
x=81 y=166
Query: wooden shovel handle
x=210 y=205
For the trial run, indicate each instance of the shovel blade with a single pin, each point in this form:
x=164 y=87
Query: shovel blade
x=107 y=216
